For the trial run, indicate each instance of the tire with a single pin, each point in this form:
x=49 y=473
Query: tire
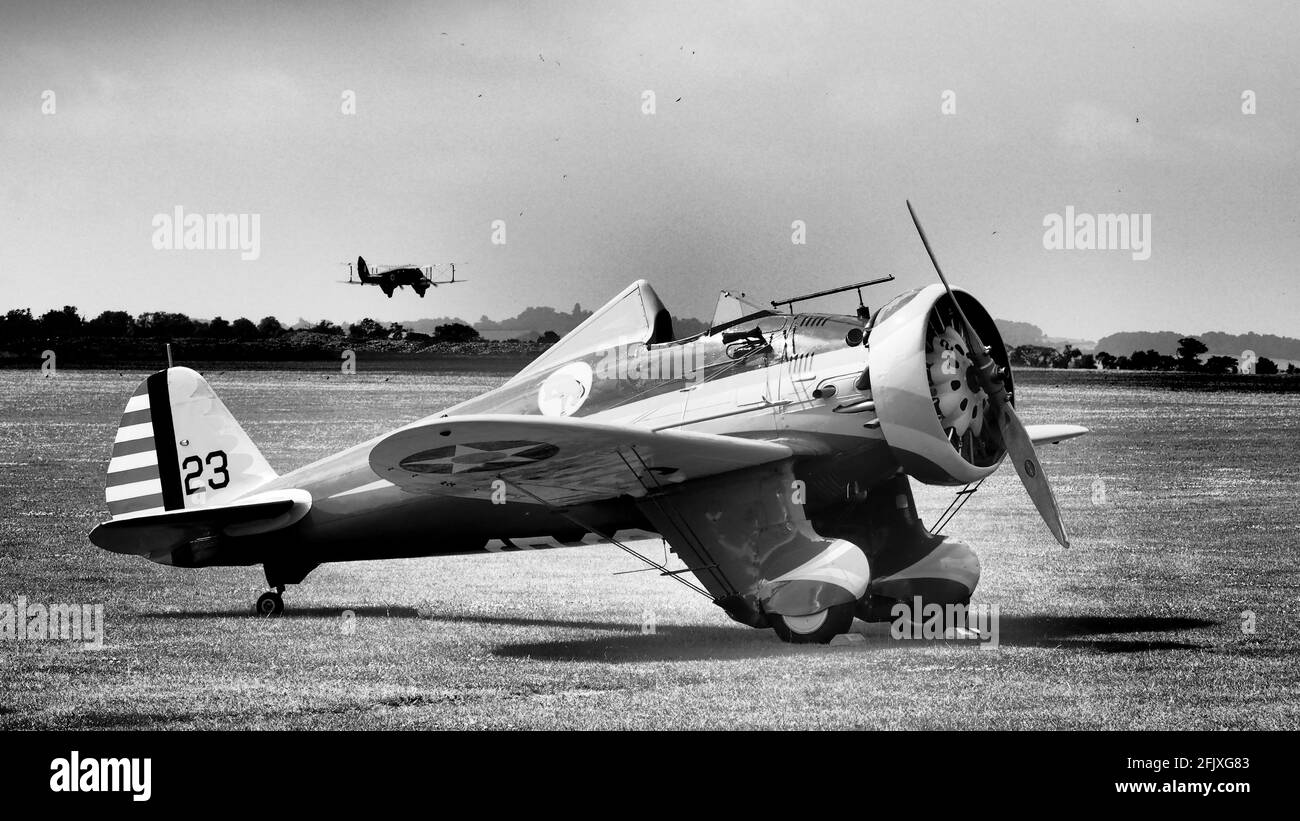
x=818 y=628
x=269 y=605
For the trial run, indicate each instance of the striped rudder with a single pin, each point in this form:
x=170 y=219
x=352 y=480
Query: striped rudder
x=134 y=484
x=178 y=447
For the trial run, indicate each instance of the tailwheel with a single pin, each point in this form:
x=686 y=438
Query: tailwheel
x=815 y=628
x=270 y=604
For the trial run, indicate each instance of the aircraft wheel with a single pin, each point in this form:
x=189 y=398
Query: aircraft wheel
x=817 y=628
x=270 y=604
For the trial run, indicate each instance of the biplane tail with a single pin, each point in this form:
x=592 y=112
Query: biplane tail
x=185 y=480
x=179 y=448
x=363 y=270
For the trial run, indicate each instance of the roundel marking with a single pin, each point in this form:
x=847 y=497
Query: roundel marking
x=1030 y=468
x=565 y=389
x=478 y=457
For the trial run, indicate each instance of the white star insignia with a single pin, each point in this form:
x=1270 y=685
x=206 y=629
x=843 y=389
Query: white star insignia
x=466 y=458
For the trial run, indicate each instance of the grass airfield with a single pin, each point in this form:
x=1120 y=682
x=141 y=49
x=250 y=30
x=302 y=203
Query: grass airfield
x=1181 y=506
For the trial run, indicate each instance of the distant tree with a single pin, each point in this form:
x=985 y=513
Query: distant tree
x=1123 y=363
x=66 y=322
x=1265 y=366
x=531 y=319
x=688 y=326
x=1220 y=364
x=269 y=326
x=243 y=329
x=18 y=324
x=1032 y=356
x=1065 y=359
x=327 y=327
x=1087 y=362
x=396 y=331
x=365 y=329
x=1189 y=353
x=549 y=336
x=454 y=332
x=111 y=324
x=1105 y=360
x=219 y=328
x=1291 y=369
x=1152 y=360
x=161 y=324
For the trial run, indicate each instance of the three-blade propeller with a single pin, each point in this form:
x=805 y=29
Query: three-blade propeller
x=1014 y=437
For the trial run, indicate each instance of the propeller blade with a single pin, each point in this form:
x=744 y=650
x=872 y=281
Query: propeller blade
x=1021 y=450
x=1014 y=437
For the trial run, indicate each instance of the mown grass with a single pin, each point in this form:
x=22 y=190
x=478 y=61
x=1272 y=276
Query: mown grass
x=1139 y=625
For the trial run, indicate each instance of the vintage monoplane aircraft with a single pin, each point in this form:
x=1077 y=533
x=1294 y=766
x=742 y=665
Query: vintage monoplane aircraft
x=772 y=452
x=391 y=277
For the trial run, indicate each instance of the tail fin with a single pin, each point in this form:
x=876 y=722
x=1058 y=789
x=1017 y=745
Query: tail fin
x=363 y=270
x=178 y=448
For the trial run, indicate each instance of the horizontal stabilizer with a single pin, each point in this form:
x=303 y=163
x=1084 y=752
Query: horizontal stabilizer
x=560 y=460
x=159 y=535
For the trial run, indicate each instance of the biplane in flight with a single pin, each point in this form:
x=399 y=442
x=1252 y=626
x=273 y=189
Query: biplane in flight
x=389 y=278
x=773 y=452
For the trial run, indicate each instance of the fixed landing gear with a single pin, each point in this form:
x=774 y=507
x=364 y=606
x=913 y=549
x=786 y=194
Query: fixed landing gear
x=271 y=603
x=816 y=628
x=279 y=574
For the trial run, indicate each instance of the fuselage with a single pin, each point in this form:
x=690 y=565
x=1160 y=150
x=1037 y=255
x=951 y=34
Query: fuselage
x=787 y=378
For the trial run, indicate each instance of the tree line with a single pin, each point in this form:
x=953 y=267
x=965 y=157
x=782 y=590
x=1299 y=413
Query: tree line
x=19 y=324
x=1188 y=359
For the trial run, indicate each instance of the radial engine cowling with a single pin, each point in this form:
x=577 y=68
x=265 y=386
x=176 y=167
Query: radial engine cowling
x=932 y=409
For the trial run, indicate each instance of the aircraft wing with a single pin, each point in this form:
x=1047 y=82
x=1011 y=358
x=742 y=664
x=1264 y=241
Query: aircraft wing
x=1052 y=434
x=556 y=460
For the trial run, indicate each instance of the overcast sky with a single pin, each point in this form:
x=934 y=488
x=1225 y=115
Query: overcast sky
x=532 y=114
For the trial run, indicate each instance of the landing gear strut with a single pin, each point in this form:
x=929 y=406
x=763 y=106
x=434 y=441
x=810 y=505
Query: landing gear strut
x=278 y=574
x=271 y=604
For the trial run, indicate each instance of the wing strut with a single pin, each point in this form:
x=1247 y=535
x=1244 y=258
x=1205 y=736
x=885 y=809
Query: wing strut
x=663 y=571
x=696 y=544
x=954 y=507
